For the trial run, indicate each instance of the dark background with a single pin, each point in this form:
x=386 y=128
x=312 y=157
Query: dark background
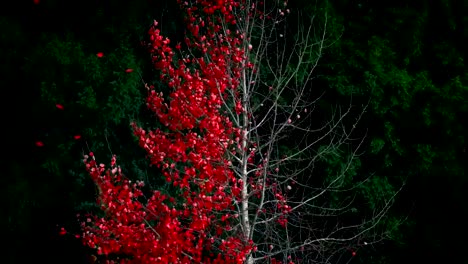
x=406 y=57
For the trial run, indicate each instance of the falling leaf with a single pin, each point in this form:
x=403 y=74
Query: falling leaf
x=100 y=54
x=59 y=106
x=62 y=231
x=129 y=70
x=92 y=259
x=39 y=144
x=77 y=137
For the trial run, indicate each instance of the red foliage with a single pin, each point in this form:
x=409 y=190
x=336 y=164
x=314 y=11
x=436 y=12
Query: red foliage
x=191 y=152
x=100 y=54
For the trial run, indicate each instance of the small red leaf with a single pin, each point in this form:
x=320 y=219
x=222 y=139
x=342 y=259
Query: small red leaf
x=129 y=70
x=36 y=2
x=77 y=137
x=62 y=231
x=100 y=54
x=39 y=144
x=59 y=106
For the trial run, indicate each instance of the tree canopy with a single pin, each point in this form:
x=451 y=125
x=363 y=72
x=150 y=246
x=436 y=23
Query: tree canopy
x=403 y=63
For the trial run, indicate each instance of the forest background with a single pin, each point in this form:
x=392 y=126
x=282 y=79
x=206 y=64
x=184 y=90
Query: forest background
x=407 y=60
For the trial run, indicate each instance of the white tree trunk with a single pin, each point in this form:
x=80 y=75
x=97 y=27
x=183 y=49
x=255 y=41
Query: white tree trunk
x=271 y=115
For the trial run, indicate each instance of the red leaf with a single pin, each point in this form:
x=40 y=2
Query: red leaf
x=36 y=2
x=59 y=106
x=62 y=231
x=193 y=106
x=77 y=137
x=39 y=144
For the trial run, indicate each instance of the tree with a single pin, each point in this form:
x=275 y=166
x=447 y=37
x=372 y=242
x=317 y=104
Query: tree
x=243 y=149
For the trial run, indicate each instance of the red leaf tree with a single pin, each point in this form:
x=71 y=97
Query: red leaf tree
x=235 y=96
